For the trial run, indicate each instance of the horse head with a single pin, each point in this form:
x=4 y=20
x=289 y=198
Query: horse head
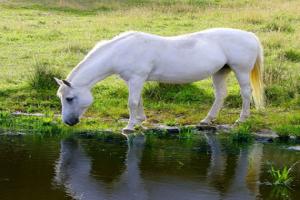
x=74 y=101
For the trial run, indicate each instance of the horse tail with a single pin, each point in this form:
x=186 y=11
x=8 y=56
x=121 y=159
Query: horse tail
x=256 y=79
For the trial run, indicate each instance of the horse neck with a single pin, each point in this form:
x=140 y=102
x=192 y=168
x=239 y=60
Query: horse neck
x=90 y=70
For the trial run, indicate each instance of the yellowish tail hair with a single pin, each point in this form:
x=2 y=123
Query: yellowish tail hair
x=256 y=78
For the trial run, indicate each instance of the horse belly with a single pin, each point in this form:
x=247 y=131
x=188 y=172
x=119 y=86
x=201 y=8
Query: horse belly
x=187 y=67
x=177 y=76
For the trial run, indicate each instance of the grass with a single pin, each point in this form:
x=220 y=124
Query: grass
x=291 y=127
x=242 y=134
x=30 y=124
x=52 y=125
x=288 y=130
x=292 y=55
x=282 y=177
x=42 y=77
x=186 y=133
x=42 y=39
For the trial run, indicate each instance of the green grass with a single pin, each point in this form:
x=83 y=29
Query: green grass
x=30 y=124
x=282 y=177
x=42 y=77
x=42 y=39
x=288 y=130
x=52 y=125
x=186 y=133
x=292 y=55
x=242 y=134
x=290 y=127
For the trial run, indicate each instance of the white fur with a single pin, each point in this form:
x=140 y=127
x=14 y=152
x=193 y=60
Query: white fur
x=138 y=57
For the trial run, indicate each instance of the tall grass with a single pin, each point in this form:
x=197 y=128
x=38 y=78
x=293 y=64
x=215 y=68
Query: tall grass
x=242 y=134
x=282 y=83
x=42 y=76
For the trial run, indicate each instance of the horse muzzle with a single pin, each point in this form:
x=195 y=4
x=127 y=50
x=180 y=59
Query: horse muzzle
x=72 y=121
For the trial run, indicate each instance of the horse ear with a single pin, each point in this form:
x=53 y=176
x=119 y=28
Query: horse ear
x=58 y=81
x=67 y=83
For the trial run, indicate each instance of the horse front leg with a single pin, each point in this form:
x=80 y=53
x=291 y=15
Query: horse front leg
x=134 y=103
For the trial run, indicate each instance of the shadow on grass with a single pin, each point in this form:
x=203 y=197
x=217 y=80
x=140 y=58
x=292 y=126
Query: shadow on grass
x=26 y=99
x=36 y=94
x=184 y=93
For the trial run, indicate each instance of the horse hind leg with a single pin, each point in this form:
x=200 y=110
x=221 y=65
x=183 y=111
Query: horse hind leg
x=244 y=82
x=140 y=112
x=219 y=83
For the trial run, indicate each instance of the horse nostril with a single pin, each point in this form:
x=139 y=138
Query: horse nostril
x=72 y=121
x=75 y=120
x=67 y=122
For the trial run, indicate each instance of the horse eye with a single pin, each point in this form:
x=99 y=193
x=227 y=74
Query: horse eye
x=69 y=99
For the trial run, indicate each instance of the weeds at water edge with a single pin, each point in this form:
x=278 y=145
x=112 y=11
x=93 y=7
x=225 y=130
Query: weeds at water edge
x=282 y=177
x=242 y=134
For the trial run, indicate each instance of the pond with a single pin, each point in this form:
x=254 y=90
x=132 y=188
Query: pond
x=78 y=167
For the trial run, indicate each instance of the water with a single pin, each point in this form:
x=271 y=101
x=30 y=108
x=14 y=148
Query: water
x=149 y=168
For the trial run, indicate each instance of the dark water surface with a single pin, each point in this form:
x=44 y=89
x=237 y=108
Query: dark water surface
x=35 y=168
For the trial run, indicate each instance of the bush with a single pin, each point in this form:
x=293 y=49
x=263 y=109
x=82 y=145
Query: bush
x=282 y=83
x=278 y=26
x=43 y=75
x=186 y=133
x=292 y=55
x=277 y=94
x=288 y=130
x=242 y=133
x=282 y=176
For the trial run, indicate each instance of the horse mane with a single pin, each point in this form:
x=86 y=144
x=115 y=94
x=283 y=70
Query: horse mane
x=104 y=43
x=99 y=46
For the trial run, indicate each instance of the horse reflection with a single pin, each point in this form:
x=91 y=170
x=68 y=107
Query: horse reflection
x=73 y=171
x=244 y=183
x=149 y=173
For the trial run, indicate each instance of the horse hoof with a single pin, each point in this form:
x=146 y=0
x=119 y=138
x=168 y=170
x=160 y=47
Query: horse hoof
x=201 y=127
x=205 y=123
x=127 y=131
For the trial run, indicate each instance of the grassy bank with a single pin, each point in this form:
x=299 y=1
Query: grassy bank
x=39 y=38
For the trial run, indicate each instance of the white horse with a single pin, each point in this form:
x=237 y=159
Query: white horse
x=139 y=57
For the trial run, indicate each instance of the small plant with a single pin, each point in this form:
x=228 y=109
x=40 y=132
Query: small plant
x=292 y=55
x=186 y=133
x=278 y=26
x=287 y=130
x=282 y=176
x=242 y=133
x=294 y=119
x=171 y=123
x=159 y=133
x=42 y=76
